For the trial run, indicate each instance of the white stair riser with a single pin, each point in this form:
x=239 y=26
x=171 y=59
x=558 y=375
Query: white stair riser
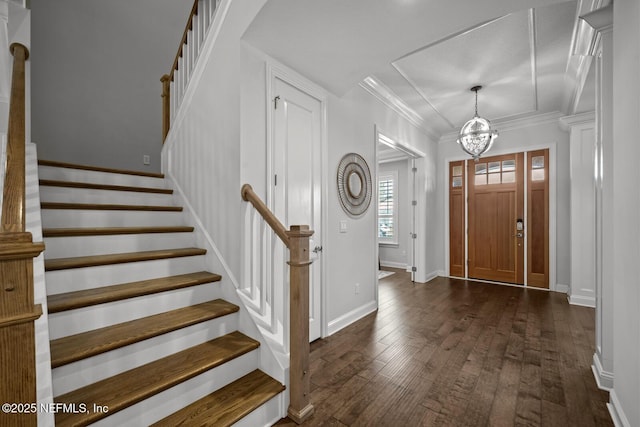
x=78 y=175
x=63 y=247
x=83 y=372
x=77 y=279
x=169 y=401
x=98 y=316
x=266 y=415
x=72 y=218
x=87 y=195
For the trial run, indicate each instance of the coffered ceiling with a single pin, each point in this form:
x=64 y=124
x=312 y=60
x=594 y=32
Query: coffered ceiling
x=422 y=57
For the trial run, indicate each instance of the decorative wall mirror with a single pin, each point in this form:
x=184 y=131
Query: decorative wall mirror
x=354 y=184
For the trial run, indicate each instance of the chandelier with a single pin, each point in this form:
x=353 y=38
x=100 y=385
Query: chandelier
x=476 y=136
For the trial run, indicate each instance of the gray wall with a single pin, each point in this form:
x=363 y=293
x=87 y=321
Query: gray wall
x=96 y=68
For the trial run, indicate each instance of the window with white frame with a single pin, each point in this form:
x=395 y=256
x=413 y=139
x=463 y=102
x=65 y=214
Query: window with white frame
x=388 y=207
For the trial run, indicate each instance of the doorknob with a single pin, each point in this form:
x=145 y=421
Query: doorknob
x=317 y=249
x=519 y=234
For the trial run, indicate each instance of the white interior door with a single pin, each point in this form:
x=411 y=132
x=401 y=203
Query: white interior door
x=298 y=173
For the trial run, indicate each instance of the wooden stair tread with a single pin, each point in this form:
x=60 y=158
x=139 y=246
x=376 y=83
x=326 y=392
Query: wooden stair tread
x=97 y=168
x=105 y=231
x=90 y=185
x=130 y=387
x=78 y=299
x=96 y=260
x=108 y=207
x=81 y=346
x=227 y=405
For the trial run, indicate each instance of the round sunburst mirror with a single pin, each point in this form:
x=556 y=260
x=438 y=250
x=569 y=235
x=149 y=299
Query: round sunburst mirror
x=354 y=184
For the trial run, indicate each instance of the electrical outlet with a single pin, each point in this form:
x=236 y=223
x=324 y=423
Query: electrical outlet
x=146 y=159
x=357 y=288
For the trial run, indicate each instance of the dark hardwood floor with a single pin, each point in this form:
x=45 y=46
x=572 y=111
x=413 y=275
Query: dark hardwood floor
x=459 y=353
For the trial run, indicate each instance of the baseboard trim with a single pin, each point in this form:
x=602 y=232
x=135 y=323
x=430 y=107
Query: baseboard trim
x=393 y=264
x=582 y=301
x=616 y=412
x=350 y=317
x=604 y=379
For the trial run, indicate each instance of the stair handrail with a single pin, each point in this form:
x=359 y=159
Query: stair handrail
x=174 y=84
x=17 y=250
x=296 y=239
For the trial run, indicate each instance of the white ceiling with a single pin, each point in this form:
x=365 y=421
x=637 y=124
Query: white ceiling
x=422 y=57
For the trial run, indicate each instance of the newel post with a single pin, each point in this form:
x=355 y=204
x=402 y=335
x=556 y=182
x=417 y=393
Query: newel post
x=166 y=105
x=300 y=407
x=17 y=250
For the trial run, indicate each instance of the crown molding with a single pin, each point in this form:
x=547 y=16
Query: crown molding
x=567 y=122
x=584 y=43
x=512 y=124
x=385 y=95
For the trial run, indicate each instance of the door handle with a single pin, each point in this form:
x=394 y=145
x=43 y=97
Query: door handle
x=317 y=249
x=519 y=234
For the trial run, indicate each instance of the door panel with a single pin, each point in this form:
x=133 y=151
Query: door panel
x=297 y=185
x=538 y=218
x=456 y=219
x=496 y=202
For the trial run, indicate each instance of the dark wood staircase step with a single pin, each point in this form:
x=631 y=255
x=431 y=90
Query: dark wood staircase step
x=87 y=344
x=92 y=186
x=108 y=231
x=108 y=207
x=96 y=260
x=97 y=168
x=89 y=297
x=130 y=387
x=227 y=405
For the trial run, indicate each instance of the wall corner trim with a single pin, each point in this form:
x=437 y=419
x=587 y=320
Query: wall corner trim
x=350 y=317
x=582 y=300
x=616 y=412
x=603 y=378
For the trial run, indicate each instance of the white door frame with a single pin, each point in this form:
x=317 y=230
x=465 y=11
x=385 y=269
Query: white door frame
x=552 y=208
x=276 y=70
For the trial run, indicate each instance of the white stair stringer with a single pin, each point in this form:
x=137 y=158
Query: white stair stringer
x=87 y=371
x=272 y=360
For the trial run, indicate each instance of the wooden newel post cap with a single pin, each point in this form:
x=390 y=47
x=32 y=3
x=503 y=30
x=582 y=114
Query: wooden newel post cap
x=15 y=46
x=300 y=231
x=165 y=78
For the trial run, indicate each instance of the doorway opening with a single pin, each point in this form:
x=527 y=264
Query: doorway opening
x=396 y=204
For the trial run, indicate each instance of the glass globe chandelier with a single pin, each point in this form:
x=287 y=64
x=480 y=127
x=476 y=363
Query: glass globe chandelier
x=476 y=136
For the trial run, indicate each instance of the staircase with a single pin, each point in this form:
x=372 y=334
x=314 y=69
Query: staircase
x=140 y=333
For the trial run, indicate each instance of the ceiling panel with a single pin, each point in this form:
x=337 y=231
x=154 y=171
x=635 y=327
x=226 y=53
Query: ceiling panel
x=497 y=55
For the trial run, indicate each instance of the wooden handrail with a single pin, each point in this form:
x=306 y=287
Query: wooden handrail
x=297 y=240
x=183 y=41
x=248 y=195
x=17 y=309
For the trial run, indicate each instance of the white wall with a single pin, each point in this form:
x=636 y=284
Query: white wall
x=350 y=258
x=515 y=137
x=96 y=78
x=397 y=255
x=626 y=203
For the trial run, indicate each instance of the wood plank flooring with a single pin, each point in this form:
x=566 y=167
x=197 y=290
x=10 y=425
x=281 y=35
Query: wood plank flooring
x=459 y=353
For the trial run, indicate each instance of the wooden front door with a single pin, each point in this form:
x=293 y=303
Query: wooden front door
x=496 y=218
